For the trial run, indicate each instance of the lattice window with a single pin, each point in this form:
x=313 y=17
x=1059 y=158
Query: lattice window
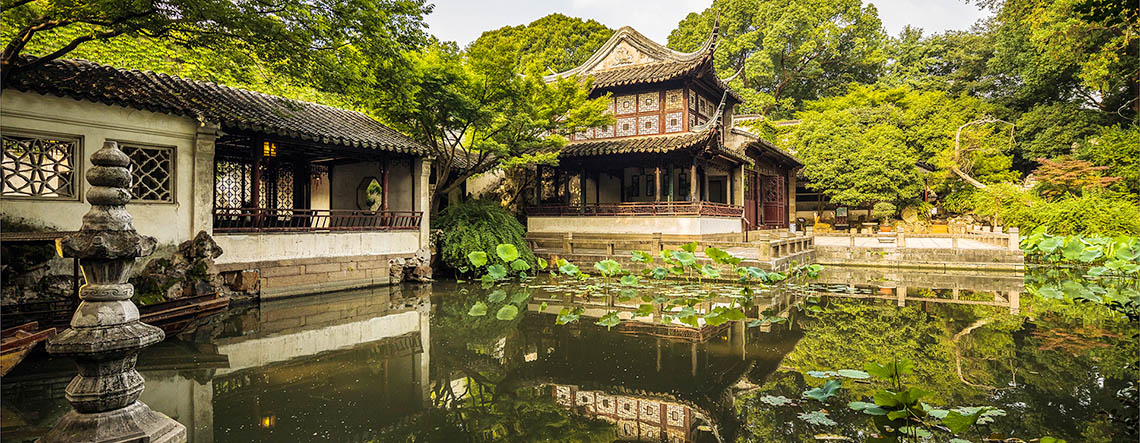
x=673 y=122
x=648 y=125
x=626 y=126
x=39 y=166
x=648 y=102
x=152 y=173
x=692 y=99
x=232 y=184
x=284 y=194
x=674 y=99
x=610 y=106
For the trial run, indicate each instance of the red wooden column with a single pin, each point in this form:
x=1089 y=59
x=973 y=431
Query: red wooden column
x=255 y=179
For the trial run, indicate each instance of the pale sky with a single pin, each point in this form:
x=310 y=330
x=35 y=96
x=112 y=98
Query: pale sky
x=462 y=21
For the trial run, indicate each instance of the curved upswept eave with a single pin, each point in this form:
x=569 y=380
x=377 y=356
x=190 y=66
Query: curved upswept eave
x=644 y=44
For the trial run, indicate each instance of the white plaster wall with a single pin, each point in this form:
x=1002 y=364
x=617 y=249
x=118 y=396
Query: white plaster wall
x=319 y=197
x=346 y=179
x=480 y=184
x=245 y=248
x=635 y=225
x=95 y=123
x=249 y=353
x=400 y=180
x=611 y=189
x=183 y=399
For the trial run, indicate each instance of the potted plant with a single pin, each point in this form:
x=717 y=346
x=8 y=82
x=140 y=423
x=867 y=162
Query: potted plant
x=883 y=211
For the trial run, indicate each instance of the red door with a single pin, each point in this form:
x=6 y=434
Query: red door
x=751 y=200
x=774 y=194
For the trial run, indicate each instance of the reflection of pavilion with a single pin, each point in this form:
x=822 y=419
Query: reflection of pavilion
x=652 y=388
x=357 y=359
x=903 y=286
x=637 y=418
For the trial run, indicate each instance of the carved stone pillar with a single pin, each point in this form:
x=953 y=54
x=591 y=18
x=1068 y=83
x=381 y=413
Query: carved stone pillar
x=106 y=335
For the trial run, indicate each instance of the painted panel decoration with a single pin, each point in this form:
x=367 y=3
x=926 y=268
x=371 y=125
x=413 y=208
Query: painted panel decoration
x=674 y=99
x=675 y=415
x=604 y=131
x=626 y=104
x=585 y=399
x=650 y=432
x=627 y=408
x=674 y=122
x=648 y=125
x=648 y=102
x=649 y=411
x=628 y=429
x=626 y=126
x=562 y=395
x=605 y=404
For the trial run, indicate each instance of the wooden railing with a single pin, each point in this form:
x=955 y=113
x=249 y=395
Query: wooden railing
x=1008 y=238
x=312 y=220
x=703 y=208
x=776 y=245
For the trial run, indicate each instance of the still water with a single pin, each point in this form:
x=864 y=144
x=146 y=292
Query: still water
x=408 y=363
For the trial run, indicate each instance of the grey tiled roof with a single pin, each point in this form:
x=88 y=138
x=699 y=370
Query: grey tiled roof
x=652 y=144
x=231 y=107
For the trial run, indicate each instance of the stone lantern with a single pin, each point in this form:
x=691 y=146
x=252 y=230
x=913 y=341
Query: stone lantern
x=106 y=335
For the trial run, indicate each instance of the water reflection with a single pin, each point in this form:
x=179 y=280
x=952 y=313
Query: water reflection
x=409 y=364
x=335 y=367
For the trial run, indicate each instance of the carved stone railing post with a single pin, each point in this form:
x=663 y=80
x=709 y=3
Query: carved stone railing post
x=106 y=335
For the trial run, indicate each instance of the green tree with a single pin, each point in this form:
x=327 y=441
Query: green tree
x=860 y=148
x=550 y=44
x=1118 y=148
x=475 y=109
x=954 y=61
x=1052 y=130
x=789 y=51
x=856 y=156
x=1070 y=50
x=340 y=45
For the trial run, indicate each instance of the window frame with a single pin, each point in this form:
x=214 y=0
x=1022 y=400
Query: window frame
x=173 y=170
x=78 y=163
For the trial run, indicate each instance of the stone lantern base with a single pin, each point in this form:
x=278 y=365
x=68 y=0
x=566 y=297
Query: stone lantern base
x=134 y=423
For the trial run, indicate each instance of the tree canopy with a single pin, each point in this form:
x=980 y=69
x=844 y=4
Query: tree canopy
x=474 y=109
x=331 y=44
x=789 y=51
x=550 y=44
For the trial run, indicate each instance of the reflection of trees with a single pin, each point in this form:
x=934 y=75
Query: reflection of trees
x=491 y=402
x=1054 y=370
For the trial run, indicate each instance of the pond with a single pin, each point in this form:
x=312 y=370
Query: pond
x=408 y=363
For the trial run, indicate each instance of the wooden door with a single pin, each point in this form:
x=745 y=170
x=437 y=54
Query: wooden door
x=751 y=200
x=774 y=197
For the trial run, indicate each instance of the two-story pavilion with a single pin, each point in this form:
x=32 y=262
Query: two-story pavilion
x=309 y=197
x=672 y=163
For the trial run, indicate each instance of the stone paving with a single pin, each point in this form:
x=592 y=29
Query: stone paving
x=911 y=242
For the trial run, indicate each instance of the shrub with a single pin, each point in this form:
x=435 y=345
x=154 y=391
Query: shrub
x=479 y=225
x=1092 y=213
x=883 y=211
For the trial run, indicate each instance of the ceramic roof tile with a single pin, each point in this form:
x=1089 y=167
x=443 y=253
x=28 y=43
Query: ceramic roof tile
x=231 y=107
